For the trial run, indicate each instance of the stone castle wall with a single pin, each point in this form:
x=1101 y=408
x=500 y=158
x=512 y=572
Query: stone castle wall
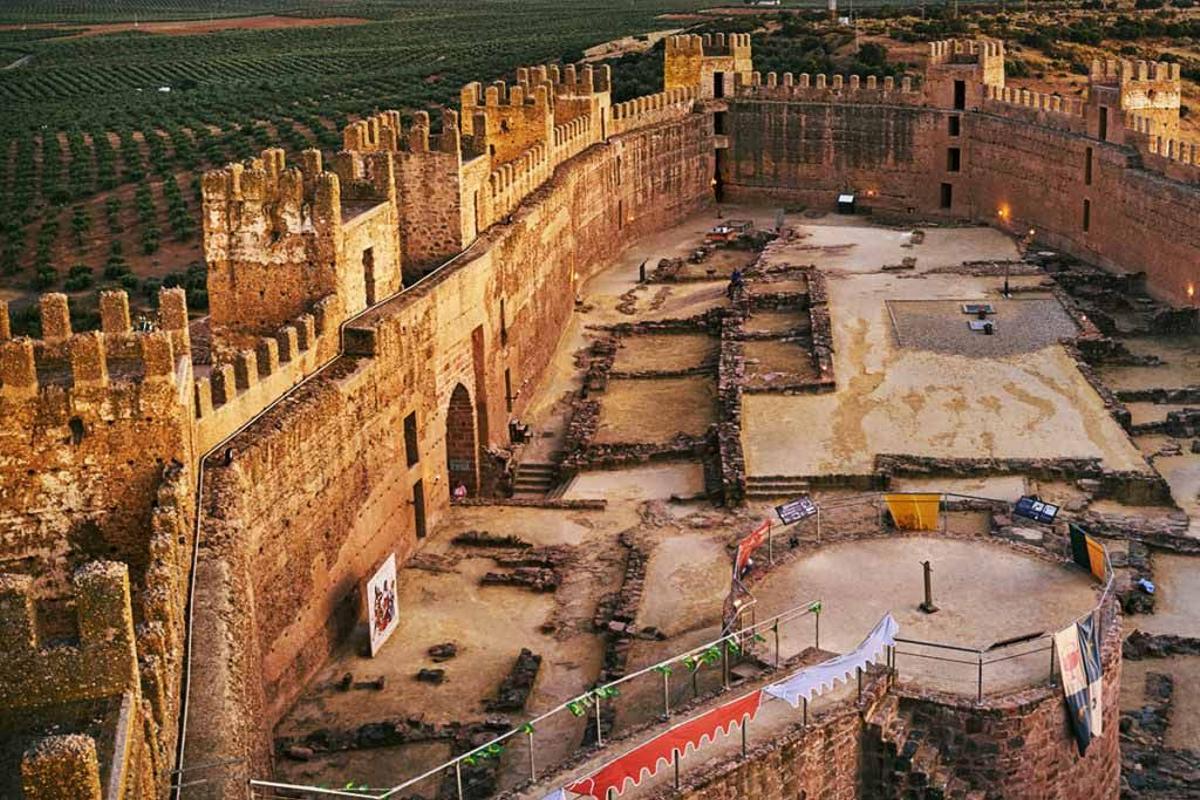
x=319 y=490
x=1020 y=160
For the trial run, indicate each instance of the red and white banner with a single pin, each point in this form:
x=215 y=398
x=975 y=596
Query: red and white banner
x=644 y=761
x=746 y=547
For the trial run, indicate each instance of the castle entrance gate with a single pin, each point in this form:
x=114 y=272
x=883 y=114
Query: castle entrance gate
x=460 y=441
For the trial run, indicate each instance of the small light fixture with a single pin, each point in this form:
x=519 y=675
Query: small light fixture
x=1191 y=291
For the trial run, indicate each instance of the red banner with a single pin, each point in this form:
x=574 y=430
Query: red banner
x=746 y=547
x=646 y=757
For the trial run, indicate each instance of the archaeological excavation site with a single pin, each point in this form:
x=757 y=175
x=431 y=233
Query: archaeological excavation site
x=773 y=436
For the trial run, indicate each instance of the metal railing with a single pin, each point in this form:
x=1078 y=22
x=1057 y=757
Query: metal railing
x=654 y=693
x=980 y=663
x=771 y=642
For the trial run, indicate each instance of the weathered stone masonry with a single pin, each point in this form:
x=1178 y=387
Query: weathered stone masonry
x=526 y=191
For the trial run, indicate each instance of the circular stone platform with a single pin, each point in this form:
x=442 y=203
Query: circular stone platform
x=986 y=592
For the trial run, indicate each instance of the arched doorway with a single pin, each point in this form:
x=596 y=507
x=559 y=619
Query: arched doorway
x=460 y=441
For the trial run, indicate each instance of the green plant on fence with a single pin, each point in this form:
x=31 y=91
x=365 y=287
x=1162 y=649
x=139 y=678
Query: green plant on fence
x=493 y=750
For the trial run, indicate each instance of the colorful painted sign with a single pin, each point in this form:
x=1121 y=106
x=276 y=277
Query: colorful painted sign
x=746 y=547
x=382 y=615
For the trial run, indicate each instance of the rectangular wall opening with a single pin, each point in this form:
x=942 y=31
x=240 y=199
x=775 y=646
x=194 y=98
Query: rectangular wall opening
x=960 y=95
x=1087 y=215
x=718 y=84
x=953 y=159
x=947 y=195
x=368 y=264
x=508 y=395
x=954 y=125
x=1087 y=168
x=1103 y=124
x=418 y=504
x=412 y=452
x=719 y=123
x=503 y=325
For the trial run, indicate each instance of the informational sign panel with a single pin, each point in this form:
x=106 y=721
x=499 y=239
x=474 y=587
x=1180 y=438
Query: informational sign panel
x=382 y=617
x=1036 y=510
x=796 y=510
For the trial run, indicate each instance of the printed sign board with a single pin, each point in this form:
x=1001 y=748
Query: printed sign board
x=796 y=510
x=382 y=616
x=746 y=547
x=1036 y=510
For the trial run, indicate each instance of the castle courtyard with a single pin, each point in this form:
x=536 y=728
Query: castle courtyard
x=1017 y=395
x=700 y=431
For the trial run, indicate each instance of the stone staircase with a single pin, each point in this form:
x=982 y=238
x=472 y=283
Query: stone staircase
x=536 y=480
x=768 y=487
x=910 y=765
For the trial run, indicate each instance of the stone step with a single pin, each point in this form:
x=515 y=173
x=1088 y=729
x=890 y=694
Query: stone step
x=776 y=489
x=536 y=480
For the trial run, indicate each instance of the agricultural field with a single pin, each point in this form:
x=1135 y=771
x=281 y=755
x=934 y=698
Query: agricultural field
x=105 y=133
x=113 y=108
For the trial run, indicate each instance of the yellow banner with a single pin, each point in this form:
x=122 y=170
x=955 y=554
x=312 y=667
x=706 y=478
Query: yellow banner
x=915 y=512
x=1096 y=559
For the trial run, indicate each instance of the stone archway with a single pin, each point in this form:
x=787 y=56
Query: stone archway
x=461 y=461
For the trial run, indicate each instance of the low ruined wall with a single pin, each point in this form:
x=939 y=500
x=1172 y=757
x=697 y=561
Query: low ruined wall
x=319 y=490
x=896 y=158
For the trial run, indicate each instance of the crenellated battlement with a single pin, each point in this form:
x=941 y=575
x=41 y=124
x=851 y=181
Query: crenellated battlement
x=245 y=382
x=965 y=51
x=278 y=240
x=828 y=89
x=366 y=177
x=1175 y=158
x=381 y=131
x=709 y=45
x=709 y=64
x=1050 y=110
x=264 y=197
x=652 y=109
x=570 y=79
x=1120 y=71
x=102 y=663
x=89 y=362
x=1150 y=90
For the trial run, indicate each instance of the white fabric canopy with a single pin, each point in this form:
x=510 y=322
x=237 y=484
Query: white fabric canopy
x=820 y=677
x=557 y=794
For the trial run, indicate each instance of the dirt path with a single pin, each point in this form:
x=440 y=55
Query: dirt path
x=20 y=62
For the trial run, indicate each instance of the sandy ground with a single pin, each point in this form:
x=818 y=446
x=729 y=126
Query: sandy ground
x=1177 y=607
x=986 y=593
x=1181 y=472
x=1182 y=354
x=664 y=352
x=1183 y=730
x=489 y=624
x=639 y=483
x=888 y=400
x=891 y=400
x=655 y=409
